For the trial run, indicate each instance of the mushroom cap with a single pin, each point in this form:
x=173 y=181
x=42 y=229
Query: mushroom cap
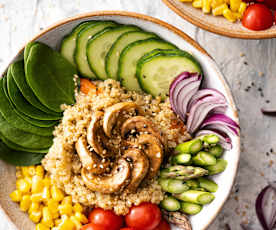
x=112 y=114
x=110 y=183
x=140 y=165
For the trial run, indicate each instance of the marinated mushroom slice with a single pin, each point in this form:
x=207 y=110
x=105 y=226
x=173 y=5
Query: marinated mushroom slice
x=140 y=124
x=90 y=160
x=139 y=167
x=116 y=115
x=177 y=218
x=96 y=137
x=153 y=148
x=110 y=183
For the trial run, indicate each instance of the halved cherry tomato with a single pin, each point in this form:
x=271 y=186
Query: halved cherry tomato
x=92 y=226
x=145 y=216
x=163 y=226
x=105 y=218
x=257 y=17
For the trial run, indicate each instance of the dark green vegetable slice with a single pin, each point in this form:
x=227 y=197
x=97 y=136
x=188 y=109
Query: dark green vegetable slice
x=17 y=70
x=50 y=76
x=68 y=44
x=22 y=138
x=19 y=158
x=35 y=122
x=21 y=104
x=8 y=112
x=14 y=146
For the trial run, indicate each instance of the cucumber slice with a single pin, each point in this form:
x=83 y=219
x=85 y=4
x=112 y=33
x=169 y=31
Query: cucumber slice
x=68 y=44
x=130 y=56
x=113 y=55
x=35 y=122
x=99 y=45
x=157 y=70
x=80 y=52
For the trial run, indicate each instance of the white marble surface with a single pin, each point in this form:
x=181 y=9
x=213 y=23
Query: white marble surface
x=21 y=19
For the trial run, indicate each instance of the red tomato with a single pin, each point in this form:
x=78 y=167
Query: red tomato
x=145 y=216
x=127 y=229
x=92 y=226
x=107 y=219
x=163 y=226
x=271 y=4
x=257 y=17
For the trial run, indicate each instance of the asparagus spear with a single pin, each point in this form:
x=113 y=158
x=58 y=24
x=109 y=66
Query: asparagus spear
x=190 y=208
x=164 y=183
x=177 y=186
x=193 y=184
x=189 y=147
x=216 y=150
x=204 y=159
x=219 y=167
x=211 y=139
x=182 y=158
x=183 y=172
x=195 y=197
x=207 y=184
x=170 y=204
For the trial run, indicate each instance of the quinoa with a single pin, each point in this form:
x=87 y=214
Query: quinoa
x=64 y=166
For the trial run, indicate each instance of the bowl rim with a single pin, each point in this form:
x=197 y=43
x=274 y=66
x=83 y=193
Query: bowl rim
x=215 y=29
x=173 y=29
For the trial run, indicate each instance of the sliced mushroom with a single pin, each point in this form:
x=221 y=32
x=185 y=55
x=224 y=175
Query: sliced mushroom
x=177 y=218
x=153 y=148
x=140 y=124
x=90 y=160
x=139 y=167
x=113 y=115
x=95 y=135
x=111 y=183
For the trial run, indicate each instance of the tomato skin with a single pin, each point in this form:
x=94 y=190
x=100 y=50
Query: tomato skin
x=92 y=226
x=145 y=216
x=127 y=229
x=270 y=3
x=257 y=17
x=163 y=225
x=105 y=218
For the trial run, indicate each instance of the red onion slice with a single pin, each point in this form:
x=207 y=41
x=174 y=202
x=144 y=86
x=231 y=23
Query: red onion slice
x=224 y=139
x=200 y=109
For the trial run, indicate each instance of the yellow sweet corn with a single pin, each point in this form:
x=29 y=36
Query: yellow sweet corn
x=235 y=5
x=67 y=200
x=37 y=184
x=56 y=193
x=242 y=8
x=229 y=15
x=216 y=3
x=76 y=222
x=65 y=209
x=206 y=6
x=78 y=208
x=197 y=4
x=25 y=171
x=39 y=170
x=16 y=196
x=34 y=207
x=81 y=218
x=58 y=222
x=219 y=9
x=25 y=203
x=41 y=227
x=47 y=182
x=46 y=194
x=67 y=224
x=35 y=216
x=47 y=218
x=23 y=185
x=36 y=197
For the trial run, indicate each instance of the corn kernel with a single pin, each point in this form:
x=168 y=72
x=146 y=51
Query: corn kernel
x=37 y=184
x=206 y=6
x=47 y=218
x=41 y=227
x=67 y=200
x=219 y=10
x=56 y=193
x=81 y=218
x=65 y=209
x=34 y=207
x=47 y=182
x=25 y=203
x=76 y=222
x=237 y=15
x=53 y=206
x=35 y=216
x=234 y=5
x=197 y=4
x=186 y=0
x=229 y=15
x=216 y=3
x=31 y=170
x=16 y=196
x=78 y=208
x=46 y=194
x=242 y=7
x=36 y=197
x=23 y=185
x=58 y=222
x=25 y=171
x=18 y=174
x=39 y=170
x=67 y=224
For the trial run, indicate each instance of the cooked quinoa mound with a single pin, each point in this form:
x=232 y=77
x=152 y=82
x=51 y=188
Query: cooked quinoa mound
x=64 y=166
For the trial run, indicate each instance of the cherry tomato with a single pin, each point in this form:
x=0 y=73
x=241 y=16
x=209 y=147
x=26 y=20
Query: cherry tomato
x=163 y=226
x=145 y=216
x=107 y=219
x=270 y=3
x=127 y=229
x=257 y=17
x=92 y=226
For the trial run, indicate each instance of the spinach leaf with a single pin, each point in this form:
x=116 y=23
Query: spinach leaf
x=19 y=158
x=21 y=103
x=23 y=138
x=17 y=70
x=50 y=76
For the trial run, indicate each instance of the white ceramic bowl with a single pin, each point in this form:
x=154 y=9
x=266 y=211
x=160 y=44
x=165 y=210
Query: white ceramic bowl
x=213 y=78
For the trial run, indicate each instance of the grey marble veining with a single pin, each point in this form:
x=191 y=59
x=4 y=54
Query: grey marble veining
x=249 y=66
